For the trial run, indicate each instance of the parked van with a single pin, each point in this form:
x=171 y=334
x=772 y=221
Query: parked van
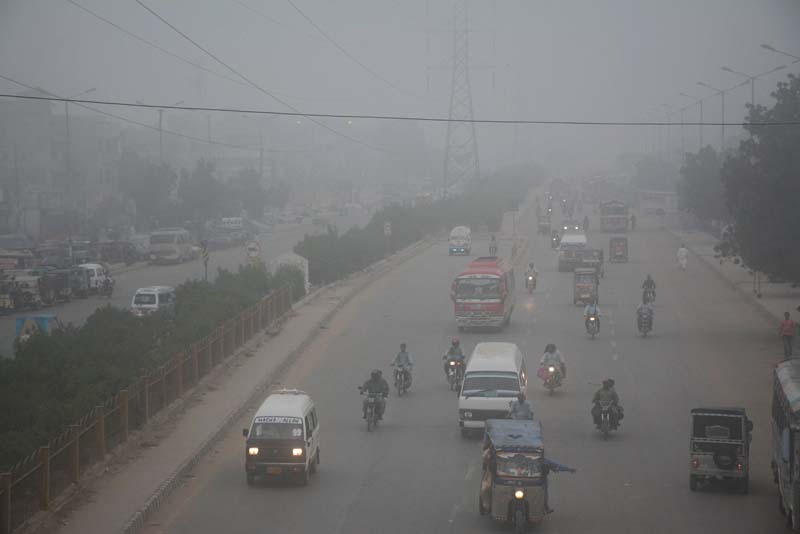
x=494 y=377
x=170 y=245
x=460 y=241
x=152 y=299
x=97 y=275
x=283 y=439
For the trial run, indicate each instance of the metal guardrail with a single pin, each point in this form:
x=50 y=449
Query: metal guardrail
x=32 y=484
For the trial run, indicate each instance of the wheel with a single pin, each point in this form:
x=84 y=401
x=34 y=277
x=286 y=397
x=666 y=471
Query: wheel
x=519 y=521
x=550 y=391
x=313 y=465
x=692 y=482
x=251 y=479
x=370 y=419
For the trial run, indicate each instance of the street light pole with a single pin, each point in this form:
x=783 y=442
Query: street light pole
x=752 y=79
x=773 y=49
x=721 y=93
x=698 y=101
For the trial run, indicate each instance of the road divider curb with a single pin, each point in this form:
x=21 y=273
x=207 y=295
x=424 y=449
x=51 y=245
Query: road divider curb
x=175 y=479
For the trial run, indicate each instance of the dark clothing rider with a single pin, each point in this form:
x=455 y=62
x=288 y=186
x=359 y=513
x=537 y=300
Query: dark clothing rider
x=376 y=385
x=453 y=353
x=607 y=393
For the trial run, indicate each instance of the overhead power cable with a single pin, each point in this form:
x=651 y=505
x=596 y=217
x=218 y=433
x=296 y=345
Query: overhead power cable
x=354 y=59
x=258 y=87
x=84 y=104
x=418 y=118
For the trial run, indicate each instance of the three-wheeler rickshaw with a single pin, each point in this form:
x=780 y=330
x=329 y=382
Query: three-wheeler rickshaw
x=514 y=483
x=592 y=258
x=585 y=286
x=618 y=249
x=720 y=447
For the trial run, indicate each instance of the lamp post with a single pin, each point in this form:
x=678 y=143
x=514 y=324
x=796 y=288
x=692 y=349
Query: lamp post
x=698 y=101
x=721 y=93
x=752 y=80
x=160 y=129
x=773 y=49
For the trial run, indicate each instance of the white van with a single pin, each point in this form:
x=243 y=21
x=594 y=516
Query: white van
x=152 y=299
x=494 y=377
x=460 y=241
x=283 y=439
x=170 y=245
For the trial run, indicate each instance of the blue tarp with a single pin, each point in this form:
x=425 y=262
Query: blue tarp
x=43 y=322
x=515 y=435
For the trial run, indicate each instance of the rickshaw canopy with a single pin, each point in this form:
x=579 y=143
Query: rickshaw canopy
x=510 y=435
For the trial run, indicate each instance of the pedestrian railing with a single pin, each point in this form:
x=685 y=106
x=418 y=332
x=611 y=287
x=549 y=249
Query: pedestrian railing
x=32 y=484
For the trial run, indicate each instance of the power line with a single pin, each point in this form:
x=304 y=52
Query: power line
x=341 y=49
x=418 y=118
x=83 y=104
x=252 y=83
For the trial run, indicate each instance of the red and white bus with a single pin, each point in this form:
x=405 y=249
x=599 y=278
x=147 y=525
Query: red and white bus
x=483 y=295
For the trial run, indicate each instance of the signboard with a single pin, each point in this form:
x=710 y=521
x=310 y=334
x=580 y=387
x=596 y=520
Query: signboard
x=253 y=249
x=387 y=228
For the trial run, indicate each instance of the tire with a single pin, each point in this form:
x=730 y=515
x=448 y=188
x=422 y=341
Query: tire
x=604 y=428
x=519 y=521
x=550 y=391
x=370 y=419
x=251 y=479
x=692 y=482
x=313 y=465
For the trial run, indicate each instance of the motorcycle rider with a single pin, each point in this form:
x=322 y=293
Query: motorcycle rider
x=530 y=272
x=606 y=393
x=633 y=222
x=492 y=245
x=404 y=362
x=520 y=408
x=591 y=310
x=552 y=356
x=683 y=254
x=649 y=285
x=453 y=353
x=376 y=385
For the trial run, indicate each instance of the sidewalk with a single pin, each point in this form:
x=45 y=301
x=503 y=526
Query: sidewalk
x=775 y=298
x=123 y=501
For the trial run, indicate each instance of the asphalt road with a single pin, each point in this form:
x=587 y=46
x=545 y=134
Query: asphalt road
x=280 y=241
x=417 y=474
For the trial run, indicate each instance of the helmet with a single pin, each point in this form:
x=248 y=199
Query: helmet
x=551 y=347
x=402 y=346
x=456 y=342
x=376 y=373
x=530 y=265
x=608 y=383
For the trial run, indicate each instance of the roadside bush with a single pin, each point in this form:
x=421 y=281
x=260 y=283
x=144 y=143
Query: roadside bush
x=57 y=378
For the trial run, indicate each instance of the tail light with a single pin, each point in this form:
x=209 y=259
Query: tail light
x=695 y=462
x=739 y=466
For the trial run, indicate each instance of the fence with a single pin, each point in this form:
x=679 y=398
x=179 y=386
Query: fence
x=32 y=483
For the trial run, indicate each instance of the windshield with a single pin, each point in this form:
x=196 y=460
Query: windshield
x=717 y=427
x=162 y=239
x=584 y=279
x=144 y=299
x=278 y=430
x=518 y=465
x=500 y=385
x=478 y=288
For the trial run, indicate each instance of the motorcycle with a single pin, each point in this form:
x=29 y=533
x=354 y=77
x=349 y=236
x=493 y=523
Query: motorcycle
x=402 y=380
x=551 y=376
x=455 y=374
x=373 y=400
x=608 y=421
x=649 y=295
x=644 y=321
x=107 y=287
x=592 y=326
x=530 y=282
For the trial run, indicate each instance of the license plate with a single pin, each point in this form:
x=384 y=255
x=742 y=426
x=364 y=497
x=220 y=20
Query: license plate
x=273 y=470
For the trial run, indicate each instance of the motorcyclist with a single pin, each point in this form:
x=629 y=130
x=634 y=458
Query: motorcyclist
x=555 y=239
x=453 y=353
x=606 y=393
x=520 y=408
x=633 y=221
x=591 y=310
x=683 y=254
x=645 y=309
x=404 y=362
x=492 y=245
x=552 y=356
x=649 y=285
x=530 y=272
x=376 y=385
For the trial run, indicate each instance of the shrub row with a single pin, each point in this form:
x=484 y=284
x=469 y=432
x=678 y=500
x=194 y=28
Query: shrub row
x=57 y=378
x=332 y=256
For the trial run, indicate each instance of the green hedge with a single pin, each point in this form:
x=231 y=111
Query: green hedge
x=57 y=378
x=332 y=256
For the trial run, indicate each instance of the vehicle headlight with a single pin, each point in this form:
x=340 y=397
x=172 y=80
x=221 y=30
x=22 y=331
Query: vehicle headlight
x=530 y=277
x=519 y=494
x=467 y=415
x=551 y=369
x=452 y=363
x=252 y=451
x=297 y=452
x=591 y=318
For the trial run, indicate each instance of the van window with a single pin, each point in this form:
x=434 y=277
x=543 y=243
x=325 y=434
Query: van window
x=162 y=239
x=309 y=426
x=491 y=385
x=314 y=418
x=277 y=428
x=144 y=299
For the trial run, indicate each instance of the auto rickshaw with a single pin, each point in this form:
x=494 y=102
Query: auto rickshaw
x=27 y=325
x=544 y=224
x=618 y=249
x=585 y=286
x=514 y=482
x=720 y=447
x=593 y=258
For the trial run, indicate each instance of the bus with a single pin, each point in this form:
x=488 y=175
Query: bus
x=786 y=438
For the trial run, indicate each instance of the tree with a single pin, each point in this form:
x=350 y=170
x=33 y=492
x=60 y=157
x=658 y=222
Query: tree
x=700 y=191
x=762 y=186
x=250 y=192
x=146 y=183
x=202 y=194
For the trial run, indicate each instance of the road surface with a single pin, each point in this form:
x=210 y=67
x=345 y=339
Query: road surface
x=280 y=241
x=417 y=474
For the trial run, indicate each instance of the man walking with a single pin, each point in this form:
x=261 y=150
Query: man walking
x=786 y=331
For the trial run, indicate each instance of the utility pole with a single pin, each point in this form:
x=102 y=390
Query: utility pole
x=461 y=163
x=160 y=136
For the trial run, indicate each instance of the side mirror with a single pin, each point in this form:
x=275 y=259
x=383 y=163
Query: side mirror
x=245 y=432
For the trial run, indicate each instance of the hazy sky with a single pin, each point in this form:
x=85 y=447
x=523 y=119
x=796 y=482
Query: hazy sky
x=557 y=59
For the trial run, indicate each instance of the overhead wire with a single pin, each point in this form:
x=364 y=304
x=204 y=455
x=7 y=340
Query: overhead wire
x=85 y=104
x=258 y=87
x=418 y=118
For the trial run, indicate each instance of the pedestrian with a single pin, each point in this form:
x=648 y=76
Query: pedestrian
x=633 y=222
x=787 y=330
